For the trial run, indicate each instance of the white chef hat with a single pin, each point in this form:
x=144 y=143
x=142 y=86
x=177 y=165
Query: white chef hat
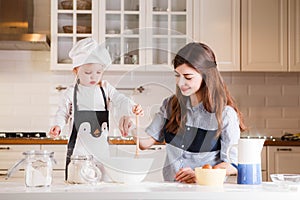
x=89 y=51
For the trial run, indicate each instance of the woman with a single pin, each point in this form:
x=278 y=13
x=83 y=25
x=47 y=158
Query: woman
x=199 y=122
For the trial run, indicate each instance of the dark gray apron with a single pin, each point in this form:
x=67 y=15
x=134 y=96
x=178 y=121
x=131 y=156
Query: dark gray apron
x=95 y=118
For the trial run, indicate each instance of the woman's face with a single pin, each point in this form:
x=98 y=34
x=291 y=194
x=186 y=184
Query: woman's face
x=90 y=74
x=188 y=79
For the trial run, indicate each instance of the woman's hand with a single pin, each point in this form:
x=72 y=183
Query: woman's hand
x=185 y=175
x=138 y=110
x=54 y=131
x=230 y=170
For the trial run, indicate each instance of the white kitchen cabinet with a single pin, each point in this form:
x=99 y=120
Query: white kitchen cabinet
x=294 y=35
x=11 y=154
x=264 y=164
x=283 y=159
x=68 y=25
x=270 y=35
x=156 y=152
x=217 y=23
x=140 y=35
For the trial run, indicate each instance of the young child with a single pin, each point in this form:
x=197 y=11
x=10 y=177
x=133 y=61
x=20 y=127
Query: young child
x=87 y=103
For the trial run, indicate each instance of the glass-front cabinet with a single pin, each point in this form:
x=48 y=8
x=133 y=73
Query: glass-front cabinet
x=139 y=34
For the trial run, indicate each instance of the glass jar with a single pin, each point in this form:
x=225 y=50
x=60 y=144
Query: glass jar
x=82 y=169
x=38 y=168
x=38 y=171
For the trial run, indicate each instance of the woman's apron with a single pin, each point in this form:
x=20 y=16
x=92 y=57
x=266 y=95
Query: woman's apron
x=90 y=129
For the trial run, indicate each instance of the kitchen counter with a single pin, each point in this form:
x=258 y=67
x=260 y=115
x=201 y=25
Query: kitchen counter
x=118 y=141
x=146 y=190
x=281 y=143
x=30 y=141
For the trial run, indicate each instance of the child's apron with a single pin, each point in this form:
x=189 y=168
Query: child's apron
x=90 y=130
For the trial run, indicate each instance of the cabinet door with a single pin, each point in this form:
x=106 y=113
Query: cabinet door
x=168 y=28
x=120 y=30
x=264 y=163
x=156 y=152
x=283 y=159
x=294 y=35
x=217 y=23
x=264 y=35
x=11 y=154
x=71 y=21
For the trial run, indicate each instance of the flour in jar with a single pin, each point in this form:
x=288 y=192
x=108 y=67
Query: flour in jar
x=38 y=173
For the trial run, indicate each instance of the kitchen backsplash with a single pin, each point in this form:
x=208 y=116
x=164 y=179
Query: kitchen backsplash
x=270 y=102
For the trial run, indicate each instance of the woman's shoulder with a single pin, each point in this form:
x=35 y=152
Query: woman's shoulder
x=167 y=100
x=230 y=112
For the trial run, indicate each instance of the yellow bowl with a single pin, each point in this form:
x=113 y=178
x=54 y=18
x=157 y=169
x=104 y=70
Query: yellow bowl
x=211 y=177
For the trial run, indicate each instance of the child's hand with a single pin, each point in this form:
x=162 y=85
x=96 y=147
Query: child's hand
x=138 y=110
x=54 y=131
x=124 y=125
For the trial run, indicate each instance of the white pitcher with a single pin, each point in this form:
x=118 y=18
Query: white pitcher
x=249 y=160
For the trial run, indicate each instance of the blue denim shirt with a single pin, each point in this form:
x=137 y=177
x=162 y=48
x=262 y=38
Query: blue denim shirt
x=182 y=152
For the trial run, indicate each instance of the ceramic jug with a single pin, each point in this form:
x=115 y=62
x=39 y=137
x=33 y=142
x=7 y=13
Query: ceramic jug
x=249 y=160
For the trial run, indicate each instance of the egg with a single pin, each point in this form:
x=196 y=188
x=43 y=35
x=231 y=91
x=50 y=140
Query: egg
x=206 y=166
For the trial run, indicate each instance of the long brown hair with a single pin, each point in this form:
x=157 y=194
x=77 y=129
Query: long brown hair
x=214 y=93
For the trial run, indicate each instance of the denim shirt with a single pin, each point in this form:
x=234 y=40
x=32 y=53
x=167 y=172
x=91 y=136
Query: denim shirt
x=195 y=145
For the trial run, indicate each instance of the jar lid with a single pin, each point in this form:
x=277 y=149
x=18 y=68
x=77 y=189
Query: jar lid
x=39 y=152
x=81 y=157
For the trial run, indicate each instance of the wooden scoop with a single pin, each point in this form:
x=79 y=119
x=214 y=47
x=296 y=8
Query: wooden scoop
x=137 y=137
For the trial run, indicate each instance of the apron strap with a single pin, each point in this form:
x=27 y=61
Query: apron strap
x=104 y=97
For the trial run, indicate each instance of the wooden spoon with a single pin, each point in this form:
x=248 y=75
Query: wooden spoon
x=137 y=137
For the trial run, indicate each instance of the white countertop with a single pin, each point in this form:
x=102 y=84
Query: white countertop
x=15 y=189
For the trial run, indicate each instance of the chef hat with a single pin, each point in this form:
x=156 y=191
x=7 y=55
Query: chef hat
x=89 y=51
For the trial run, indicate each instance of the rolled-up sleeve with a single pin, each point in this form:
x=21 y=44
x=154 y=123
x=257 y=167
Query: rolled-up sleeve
x=155 y=129
x=230 y=135
x=64 y=108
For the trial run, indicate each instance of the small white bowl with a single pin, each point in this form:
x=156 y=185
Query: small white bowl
x=211 y=177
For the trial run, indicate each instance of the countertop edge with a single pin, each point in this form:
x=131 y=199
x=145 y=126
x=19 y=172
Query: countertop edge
x=37 y=141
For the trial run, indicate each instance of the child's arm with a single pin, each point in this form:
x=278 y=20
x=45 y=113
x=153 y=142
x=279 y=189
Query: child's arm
x=63 y=113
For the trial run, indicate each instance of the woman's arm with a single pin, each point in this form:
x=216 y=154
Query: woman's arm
x=144 y=142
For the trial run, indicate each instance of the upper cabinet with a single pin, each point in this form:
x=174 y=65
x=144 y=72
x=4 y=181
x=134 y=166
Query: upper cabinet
x=270 y=35
x=145 y=35
x=139 y=34
x=294 y=35
x=217 y=23
x=71 y=21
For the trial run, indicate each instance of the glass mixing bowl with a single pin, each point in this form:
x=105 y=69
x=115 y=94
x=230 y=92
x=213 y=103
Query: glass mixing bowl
x=286 y=179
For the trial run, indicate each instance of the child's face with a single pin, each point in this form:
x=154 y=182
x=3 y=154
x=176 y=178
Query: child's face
x=188 y=79
x=90 y=74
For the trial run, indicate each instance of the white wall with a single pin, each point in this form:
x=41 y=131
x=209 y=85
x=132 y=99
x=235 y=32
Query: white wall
x=29 y=99
x=270 y=101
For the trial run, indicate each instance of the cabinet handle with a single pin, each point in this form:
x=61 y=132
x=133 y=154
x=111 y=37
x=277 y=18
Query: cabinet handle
x=284 y=149
x=154 y=148
x=4 y=148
